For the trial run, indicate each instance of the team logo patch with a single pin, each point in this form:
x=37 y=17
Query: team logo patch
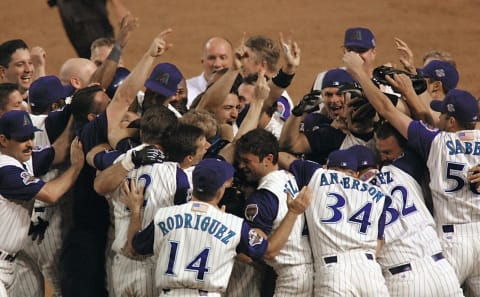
x=28 y=179
x=254 y=238
x=440 y=72
x=429 y=127
x=251 y=211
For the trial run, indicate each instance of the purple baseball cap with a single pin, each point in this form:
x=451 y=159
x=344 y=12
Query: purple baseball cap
x=210 y=174
x=365 y=156
x=164 y=79
x=336 y=78
x=46 y=90
x=441 y=71
x=459 y=104
x=342 y=159
x=359 y=37
x=16 y=124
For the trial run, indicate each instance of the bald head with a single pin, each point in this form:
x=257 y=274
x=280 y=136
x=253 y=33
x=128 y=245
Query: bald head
x=77 y=72
x=217 y=55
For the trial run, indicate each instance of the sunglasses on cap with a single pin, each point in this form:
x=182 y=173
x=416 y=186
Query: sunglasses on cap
x=357 y=49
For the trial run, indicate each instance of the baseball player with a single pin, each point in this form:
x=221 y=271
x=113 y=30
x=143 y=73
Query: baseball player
x=166 y=184
x=411 y=254
x=345 y=222
x=200 y=240
x=449 y=153
x=257 y=153
x=18 y=167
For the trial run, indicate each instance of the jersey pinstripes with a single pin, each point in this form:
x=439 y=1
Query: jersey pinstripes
x=411 y=239
x=450 y=157
x=293 y=264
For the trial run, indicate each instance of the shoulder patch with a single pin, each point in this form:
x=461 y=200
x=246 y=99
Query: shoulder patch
x=27 y=178
x=254 y=238
x=428 y=126
x=251 y=211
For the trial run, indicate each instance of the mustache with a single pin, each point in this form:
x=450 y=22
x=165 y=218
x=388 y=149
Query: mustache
x=29 y=149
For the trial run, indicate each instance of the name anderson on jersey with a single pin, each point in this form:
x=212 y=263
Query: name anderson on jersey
x=197 y=222
x=329 y=178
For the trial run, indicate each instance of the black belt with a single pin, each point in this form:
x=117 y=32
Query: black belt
x=334 y=259
x=7 y=257
x=408 y=267
x=200 y=292
x=447 y=228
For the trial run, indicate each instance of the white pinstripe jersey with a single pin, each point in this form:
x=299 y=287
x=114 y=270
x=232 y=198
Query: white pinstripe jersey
x=195 y=245
x=344 y=214
x=410 y=229
x=160 y=188
x=450 y=157
x=297 y=248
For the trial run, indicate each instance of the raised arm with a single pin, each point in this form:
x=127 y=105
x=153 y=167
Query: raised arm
x=379 y=101
x=54 y=189
x=296 y=207
x=127 y=91
x=105 y=73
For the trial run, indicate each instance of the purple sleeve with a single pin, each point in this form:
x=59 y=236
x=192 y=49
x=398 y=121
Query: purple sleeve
x=420 y=138
x=94 y=132
x=17 y=184
x=104 y=159
x=252 y=243
x=261 y=209
x=181 y=194
x=303 y=171
x=142 y=241
x=56 y=122
x=382 y=220
x=42 y=160
x=412 y=164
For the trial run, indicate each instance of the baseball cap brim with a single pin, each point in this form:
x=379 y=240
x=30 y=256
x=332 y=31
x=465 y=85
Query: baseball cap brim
x=437 y=105
x=157 y=87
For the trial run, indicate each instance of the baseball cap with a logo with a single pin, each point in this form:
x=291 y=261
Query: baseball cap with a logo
x=210 y=174
x=335 y=78
x=459 y=104
x=17 y=125
x=46 y=90
x=365 y=156
x=164 y=79
x=359 y=37
x=441 y=71
x=342 y=159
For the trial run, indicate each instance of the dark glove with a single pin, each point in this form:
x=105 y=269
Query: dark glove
x=309 y=103
x=362 y=109
x=418 y=82
x=147 y=155
x=37 y=230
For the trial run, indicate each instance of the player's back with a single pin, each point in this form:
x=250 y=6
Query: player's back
x=451 y=156
x=195 y=245
x=409 y=227
x=344 y=215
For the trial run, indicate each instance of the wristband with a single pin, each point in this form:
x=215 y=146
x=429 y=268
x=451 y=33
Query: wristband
x=127 y=162
x=282 y=79
x=116 y=53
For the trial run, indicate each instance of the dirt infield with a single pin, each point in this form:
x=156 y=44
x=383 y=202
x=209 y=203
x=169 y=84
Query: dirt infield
x=318 y=27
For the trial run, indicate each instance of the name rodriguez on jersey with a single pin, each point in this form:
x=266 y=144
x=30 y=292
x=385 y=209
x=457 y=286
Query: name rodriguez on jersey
x=329 y=178
x=197 y=222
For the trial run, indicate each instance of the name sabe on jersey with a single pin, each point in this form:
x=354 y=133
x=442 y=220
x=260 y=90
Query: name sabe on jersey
x=346 y=182
x=197 y=222
x=463 y=147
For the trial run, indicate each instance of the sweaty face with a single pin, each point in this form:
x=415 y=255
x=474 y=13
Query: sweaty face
x=388 y=149
x=334 y=102
x=227 y=113
x=15 y=102
x=217 y=56
x=20 y=69
x=251 y=165
x=251 y=63
x=18 y=149
x=100 y=54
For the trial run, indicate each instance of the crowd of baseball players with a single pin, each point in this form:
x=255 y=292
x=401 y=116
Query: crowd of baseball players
x=140 y=182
